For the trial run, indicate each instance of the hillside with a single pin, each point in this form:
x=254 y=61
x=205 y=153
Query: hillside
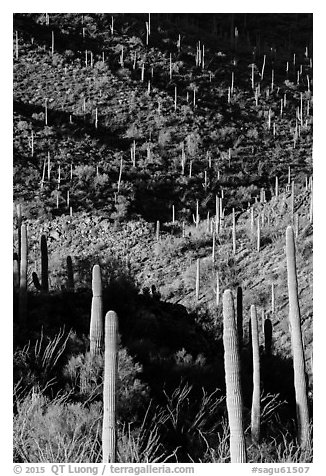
x=113 y=135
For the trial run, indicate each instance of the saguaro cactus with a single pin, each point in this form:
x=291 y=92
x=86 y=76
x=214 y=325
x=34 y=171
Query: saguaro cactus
x=158 y=230
x=232 y=379
x=255 y=406
x=233 y=232
x=197 y=279
x=16 y=272
x=44 y=264
x=258 y=233
x=96 y=325
x=268 y=336
x=70 y=273
x=296 y=342
x=23 y=276
x=109 y=389
x=217 y=290
x=240 y=316
x=19 y=224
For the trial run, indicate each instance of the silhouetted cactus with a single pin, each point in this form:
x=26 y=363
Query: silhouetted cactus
x=232 y=380
x=96 y=324
x=16 y=272
x=23 y=276
x=36 y=281
x=268 y=336
x=44 y=264
x=296 y=342
x=19 y=224
x=70 y=274
x=109 y=388
x=255 y=406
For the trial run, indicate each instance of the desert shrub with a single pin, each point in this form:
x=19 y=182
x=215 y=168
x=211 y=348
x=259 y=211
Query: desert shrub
x=56 y=431
x=84 y=377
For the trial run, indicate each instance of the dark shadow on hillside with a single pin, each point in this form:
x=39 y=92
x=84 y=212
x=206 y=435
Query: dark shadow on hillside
x=60 y=121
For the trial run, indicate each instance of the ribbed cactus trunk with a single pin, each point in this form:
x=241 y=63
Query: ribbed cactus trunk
x=240 y=316
x=96 y=325
x=296 y=342
x=70 y=274
x=255 y=405
x=44 y=264
x=23 y=276
x=232 y=380
x=109 y=390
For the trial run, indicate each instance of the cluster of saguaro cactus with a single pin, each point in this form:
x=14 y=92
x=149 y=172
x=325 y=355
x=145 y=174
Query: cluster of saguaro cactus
x=232 y=379
x=109 y=444
x=296 y=342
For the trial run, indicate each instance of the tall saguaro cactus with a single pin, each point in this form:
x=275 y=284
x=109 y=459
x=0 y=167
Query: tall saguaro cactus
x=70 y=274
x=16 y=272
x=23 y=276
x=240 y=316
x=44 y=264
x=255 y=405
x=19 y=225
x=96 y=325
x=232 y=379
x=197 y=278
x=296 y=342
x=234 y=247
x=109 y=389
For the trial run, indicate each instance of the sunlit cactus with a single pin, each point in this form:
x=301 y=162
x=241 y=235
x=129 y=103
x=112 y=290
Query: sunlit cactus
x=96 y=324
x=255 y=406
x=240 y=316
x=296 y=342
x=232 y=379
x=23 y=276
x=109 y=443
